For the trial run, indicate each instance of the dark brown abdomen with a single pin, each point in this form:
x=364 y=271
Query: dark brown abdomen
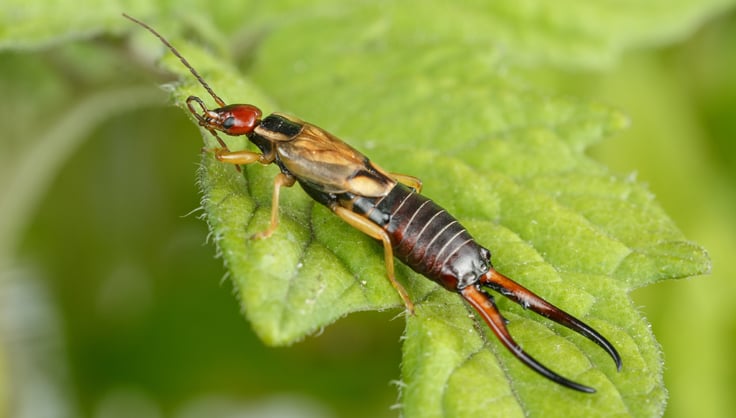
x=429 y=240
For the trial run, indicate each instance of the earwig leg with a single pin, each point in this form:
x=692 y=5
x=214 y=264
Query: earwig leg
x=407 y=180
x=527 y=299
x=241 y=157
x=369 y=228
x=483 y=303
x=223 y=146
x=280 y=180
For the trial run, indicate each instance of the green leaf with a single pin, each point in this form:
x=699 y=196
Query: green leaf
x=4 y=386
x=431 y=91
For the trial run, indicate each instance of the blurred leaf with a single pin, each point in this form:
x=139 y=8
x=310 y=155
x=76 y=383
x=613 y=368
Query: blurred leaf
x=4 y=374
x=32 y=25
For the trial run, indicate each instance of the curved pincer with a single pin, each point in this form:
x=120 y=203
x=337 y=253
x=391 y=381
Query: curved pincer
x=484 y=304
x=529 y=300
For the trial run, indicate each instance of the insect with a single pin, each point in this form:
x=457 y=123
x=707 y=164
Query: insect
x=386 y=206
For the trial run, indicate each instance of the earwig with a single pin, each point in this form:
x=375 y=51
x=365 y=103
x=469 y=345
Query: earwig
x=386 y=206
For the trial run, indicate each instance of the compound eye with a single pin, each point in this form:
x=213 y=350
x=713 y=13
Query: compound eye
x=228 y=123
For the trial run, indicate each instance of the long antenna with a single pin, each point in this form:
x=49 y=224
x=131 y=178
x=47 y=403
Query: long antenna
x=183 y=60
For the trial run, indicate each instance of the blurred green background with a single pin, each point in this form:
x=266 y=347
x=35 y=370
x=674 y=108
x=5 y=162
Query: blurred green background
x=113 y=305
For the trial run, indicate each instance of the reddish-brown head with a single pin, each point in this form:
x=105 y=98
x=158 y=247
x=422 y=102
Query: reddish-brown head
x=234 y=119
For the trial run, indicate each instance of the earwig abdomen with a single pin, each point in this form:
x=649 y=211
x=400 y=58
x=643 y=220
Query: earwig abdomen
x=431 y=241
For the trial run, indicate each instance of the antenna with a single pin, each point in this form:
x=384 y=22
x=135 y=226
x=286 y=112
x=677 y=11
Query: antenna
x=183 y=60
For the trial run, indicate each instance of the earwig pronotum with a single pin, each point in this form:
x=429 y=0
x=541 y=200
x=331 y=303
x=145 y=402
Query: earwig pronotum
x=386 y=206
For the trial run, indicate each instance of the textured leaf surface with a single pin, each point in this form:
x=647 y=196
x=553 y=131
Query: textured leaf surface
x=431 y=91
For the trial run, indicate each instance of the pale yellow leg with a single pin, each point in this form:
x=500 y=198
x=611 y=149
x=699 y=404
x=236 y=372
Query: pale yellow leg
x=280 y=180
x=407 y=180
x=369 y=228
x=242 y=157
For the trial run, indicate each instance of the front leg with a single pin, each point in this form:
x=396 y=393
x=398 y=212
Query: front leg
x=243 y=157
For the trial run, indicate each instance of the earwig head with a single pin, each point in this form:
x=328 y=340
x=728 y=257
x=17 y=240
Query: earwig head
x=234 y=119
